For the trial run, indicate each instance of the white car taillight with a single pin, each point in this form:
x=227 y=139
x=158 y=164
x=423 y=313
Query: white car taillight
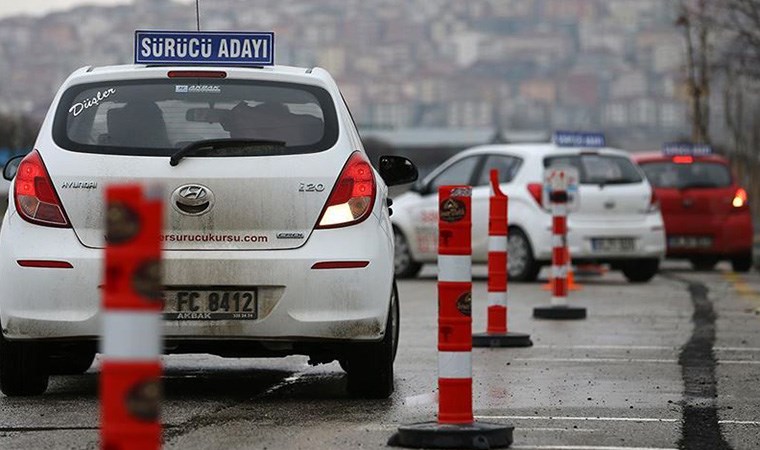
x=34 y=194
x=654 y=203
x=352 y=197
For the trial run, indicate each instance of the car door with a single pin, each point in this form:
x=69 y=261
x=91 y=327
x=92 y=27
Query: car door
x=460 y=171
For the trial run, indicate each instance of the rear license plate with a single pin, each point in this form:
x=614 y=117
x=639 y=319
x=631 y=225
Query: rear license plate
x=690 y=241
x=613 y=245
x=211 y=304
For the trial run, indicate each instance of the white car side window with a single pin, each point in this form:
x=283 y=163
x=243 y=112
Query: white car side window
x=458 y=173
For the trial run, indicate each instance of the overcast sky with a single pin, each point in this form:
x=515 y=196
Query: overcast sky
x=41 y=7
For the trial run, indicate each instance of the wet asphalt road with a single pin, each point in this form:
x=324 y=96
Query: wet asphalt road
x=643 y=371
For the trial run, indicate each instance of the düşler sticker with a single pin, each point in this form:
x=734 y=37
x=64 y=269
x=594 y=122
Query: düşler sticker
x=77 y=108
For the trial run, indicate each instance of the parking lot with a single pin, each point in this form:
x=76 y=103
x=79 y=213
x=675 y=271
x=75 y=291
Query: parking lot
x=668 y=364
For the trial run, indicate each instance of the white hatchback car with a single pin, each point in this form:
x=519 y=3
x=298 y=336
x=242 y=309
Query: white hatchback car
x=618 y=220
x=268 y=192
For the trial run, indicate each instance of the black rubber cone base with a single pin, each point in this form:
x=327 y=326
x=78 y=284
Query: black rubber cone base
x=477 y=435
x=559 y=313
x=508 y=339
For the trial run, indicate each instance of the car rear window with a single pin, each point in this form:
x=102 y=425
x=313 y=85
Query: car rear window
x=158 y=117
x=599 y=169
x=699 y=174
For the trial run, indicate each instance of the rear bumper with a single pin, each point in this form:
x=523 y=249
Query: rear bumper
x=647 y=232
x=732 y=235
x=296 y=302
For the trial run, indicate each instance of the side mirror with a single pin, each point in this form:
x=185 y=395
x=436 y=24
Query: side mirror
x=11 y=167
x=397 y=170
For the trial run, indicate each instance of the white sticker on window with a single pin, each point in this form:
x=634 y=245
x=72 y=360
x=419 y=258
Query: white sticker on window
x=197 y=89
x=77 y=108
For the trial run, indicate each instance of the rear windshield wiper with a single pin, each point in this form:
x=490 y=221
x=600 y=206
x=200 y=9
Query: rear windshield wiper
x=225 y=147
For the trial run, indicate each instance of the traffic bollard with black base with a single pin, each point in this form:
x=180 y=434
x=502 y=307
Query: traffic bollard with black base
x=497 y=334
x=559 y=309
x=456 y=426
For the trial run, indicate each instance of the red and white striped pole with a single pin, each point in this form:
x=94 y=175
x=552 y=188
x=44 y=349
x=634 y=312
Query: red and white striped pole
x=559 y=308
x=130 y=376
x=455 y=305
x=497 y=334
x=456 y=427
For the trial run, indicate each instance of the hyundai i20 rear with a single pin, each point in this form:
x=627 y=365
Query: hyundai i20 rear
x=706 y=213
x=268 y=195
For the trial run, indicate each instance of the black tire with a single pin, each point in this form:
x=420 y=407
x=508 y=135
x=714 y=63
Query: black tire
x=23 y=369
x=641 y=271
x=742 y=263
x=71 y=364
x=404 y=266
x=370 y=368
x=704 y=263
x=522 y=265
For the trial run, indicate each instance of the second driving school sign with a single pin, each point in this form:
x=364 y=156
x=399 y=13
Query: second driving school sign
x=220 y=48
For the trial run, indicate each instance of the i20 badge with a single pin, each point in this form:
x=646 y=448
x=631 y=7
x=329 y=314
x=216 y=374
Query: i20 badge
x=192 y=199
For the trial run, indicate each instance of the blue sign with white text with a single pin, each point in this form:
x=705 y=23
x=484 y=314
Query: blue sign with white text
x=204 y=47
x=578 y=139
x=686 y=149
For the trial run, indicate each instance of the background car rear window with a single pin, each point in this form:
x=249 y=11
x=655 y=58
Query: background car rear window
x=666 y=174
x=599 y=169
x=158 y=117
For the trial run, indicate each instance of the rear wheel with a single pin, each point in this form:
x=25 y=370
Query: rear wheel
x=742 y=263
x=23 y=369
x=704 y=263
x=522 y=265
x=370 y=368
x=640 y=271
x=404 y=265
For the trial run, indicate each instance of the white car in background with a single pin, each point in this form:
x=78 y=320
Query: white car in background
x=618 y=221
x=269 y=197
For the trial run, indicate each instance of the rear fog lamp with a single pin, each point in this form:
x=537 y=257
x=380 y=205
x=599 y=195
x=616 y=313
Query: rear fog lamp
x=44 y=264
x=340 y=265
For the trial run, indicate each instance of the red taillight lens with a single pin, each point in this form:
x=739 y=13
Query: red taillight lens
x=35 y=197
x=352 y=197
x=535 y=190
x=740 y=198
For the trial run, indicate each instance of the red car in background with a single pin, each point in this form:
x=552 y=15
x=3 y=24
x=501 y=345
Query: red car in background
x=706 y=214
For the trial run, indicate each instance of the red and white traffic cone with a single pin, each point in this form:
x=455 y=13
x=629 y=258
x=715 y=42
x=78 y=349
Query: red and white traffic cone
x=130 y=376
x=559 y=308
x=496 y=334
x=455 y=427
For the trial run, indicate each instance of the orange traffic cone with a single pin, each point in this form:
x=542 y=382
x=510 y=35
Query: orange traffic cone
x=571 y=284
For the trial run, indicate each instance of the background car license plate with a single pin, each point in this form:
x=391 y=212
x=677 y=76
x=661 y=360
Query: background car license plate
x=613 y=245
x=689 y=241
x=213 y=304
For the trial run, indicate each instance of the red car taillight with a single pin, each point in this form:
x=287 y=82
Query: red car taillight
x=740 y=199
x=535 y=190
x=352 y=197
x=35 y=196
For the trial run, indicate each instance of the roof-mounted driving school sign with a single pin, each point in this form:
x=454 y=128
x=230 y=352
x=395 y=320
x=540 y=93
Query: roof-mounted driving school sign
x=579 y=139
x=686 y=149
x=207 y=47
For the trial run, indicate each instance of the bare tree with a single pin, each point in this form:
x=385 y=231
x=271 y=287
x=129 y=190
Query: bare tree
x=695 y=19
